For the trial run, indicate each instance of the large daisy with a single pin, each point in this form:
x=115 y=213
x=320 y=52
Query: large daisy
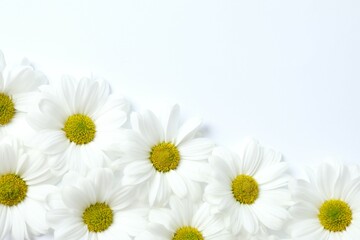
x=18 y=93
x=163 y=158
x=76 y=122
x=250 y=190
x=184 y=220
x=25 y=181
x=327 y=204
x=95 y=208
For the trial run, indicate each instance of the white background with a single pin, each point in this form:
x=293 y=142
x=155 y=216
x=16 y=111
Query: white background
x=285 y=72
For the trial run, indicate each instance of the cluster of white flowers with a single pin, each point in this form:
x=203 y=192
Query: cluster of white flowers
x=72 y=166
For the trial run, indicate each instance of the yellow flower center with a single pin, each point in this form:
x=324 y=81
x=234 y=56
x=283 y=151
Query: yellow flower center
x=98 y=217
x=245 y=189
x=7 y=109
x=165 y=157
x=187 y=233
x=13 y=189
x=80 y=129
x=335 y=215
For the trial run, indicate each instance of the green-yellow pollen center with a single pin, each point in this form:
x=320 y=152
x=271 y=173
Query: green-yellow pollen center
x=165 y=157
x=187 y=233
x=7 y=109
x=245 y=189
x=80 y=129
x=13 y=189
x=98 y=217
x=335 y=215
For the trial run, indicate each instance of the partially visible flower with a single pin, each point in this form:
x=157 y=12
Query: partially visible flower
x=249 y=190
x=25 y=181
x=165 y=159
x=95 y=207
x=327 y=204
x=76 y=123
x=18 y=94
x=184 y=220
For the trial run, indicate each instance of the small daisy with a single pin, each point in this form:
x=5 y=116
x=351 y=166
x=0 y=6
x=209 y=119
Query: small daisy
x=250 y=190
x=25 y=181
x=95 y=208
x=76 y=122
x=18 y=91
x=327 y=206
x=163 y=158
x=185 y=220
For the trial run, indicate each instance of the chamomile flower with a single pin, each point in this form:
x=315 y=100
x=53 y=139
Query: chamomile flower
x=95 y=207
x=250 y=190
x=18 y=93
x=76 y=122
x=25 y=181
x=184 y=220
x=327 y=205
x=163 y=158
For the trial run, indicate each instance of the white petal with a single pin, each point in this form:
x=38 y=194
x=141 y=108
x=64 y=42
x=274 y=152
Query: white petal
x=55 y=111
x=172 y=124
x=73 y=230
x=137 y=172
x=162 y=216
x=132 y=221
x=85 y=93
x=68 y=94
x=40 y=192
x=156 y=231
x=308 y=229
x=25 y=101
x=177 y=184
x=104 y=181
x=272 y=173
x=114 y=105
x=251 y=157
x=2 y=82
x=149 y=127
x=271 y=215
x=35 y=217
x=4 y=221
x=40 y=121
x=121 y=198
x=196 y=149
x=18 y=229
x=57 y=216
x=75 y=198
x=2 y=61
x=24 y=79
x=114 y=231
x=154 y=188
x=8 y=159
x=188 y=130
x=163 y=192
x=51 y=141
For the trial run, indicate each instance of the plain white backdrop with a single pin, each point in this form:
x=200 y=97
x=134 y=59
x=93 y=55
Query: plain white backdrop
x=286 y=72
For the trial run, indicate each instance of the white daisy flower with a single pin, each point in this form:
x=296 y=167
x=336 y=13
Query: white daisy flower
x=25 y=181
x=95 y=208
x=76 y=122
x=184 y=220
x=250 y=190
x=18 y=93
x=327 y=205
x=163 y=158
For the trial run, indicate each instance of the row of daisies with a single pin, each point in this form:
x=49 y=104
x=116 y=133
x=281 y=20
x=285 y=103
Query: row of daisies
x=70 y=165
